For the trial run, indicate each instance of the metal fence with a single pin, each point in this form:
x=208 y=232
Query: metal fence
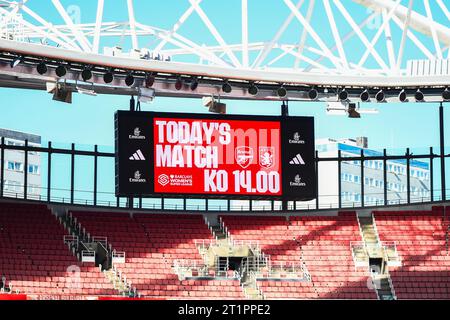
x=52 y=194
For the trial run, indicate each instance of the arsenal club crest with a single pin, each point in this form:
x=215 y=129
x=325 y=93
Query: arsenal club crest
x=244 y=156
x=266 y=156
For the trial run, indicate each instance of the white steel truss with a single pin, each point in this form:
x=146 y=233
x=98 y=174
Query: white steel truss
x=344 y=48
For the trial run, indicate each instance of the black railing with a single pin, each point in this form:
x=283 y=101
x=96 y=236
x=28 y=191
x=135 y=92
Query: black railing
x=52 y=194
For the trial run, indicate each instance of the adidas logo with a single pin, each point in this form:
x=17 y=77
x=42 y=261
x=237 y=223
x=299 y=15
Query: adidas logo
x=137 y=156
x=297 y=160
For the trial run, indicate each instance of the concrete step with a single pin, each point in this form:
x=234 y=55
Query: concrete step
x=119 y=285
x=369 y=234
x=384 y=292
x=360 y=253
x=253 y=293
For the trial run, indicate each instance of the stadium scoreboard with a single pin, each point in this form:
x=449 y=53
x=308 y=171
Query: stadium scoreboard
x=215 y=156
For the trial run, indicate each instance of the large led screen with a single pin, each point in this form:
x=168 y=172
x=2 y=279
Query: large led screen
x=214 y=156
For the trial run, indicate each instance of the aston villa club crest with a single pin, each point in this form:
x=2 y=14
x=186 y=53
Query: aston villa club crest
x=244 y=156
x=266 y=156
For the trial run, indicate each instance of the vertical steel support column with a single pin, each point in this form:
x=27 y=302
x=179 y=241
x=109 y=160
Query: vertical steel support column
x=72 y=173
x=49 y=172
x=385 y=177
x=25 y=171
x=408 y=177
x=431 y=174
x=130 y=202
x=362 y=178
x=339 y=180
x=317 y=179
x=95 y=173
x=284 y=114
x=441 y=134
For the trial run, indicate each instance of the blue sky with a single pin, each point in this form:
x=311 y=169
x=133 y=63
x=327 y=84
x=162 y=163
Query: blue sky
x=89 y=120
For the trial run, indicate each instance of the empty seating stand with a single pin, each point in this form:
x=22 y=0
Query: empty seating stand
x=35 y=261
x=324 y=243
x=152 y=242
x=420 y=237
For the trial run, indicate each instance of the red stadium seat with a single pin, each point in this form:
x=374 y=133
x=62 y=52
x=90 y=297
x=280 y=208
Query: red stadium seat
x=31 y=227
x=34 y=259
x=158 y=237
x=420 y=238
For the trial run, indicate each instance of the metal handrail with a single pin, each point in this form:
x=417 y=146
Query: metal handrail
x=121 y=255
x=69 y=239
x=168 y=207
x=100 y=239
x=87 y=254
x=254 y=245
x=359 y=226
x=391 y=285
x=374 y=223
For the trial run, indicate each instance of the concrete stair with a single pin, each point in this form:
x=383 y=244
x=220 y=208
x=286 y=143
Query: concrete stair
x=369 y=234
x=119 y=284
x=250 y=287
x=219 y=232
x=384 y=291
x=252 y=293
x=373 y=249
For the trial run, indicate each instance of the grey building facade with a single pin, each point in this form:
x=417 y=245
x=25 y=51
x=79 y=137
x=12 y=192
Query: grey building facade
x=351 y=193
x=14 y=165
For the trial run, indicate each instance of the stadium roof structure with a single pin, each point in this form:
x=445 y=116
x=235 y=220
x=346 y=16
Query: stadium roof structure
x=327 y=46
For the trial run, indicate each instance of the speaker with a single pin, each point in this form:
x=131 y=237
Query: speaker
x=218 y=107
x=62 y=95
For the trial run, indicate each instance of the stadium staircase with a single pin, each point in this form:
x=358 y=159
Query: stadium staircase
x=94 y=249
x=309 y=256
x=372 y=253
x=228 y=258
x=245 y=260
x=265 y=271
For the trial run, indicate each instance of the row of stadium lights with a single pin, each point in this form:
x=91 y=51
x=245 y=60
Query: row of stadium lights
x=252 y=89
